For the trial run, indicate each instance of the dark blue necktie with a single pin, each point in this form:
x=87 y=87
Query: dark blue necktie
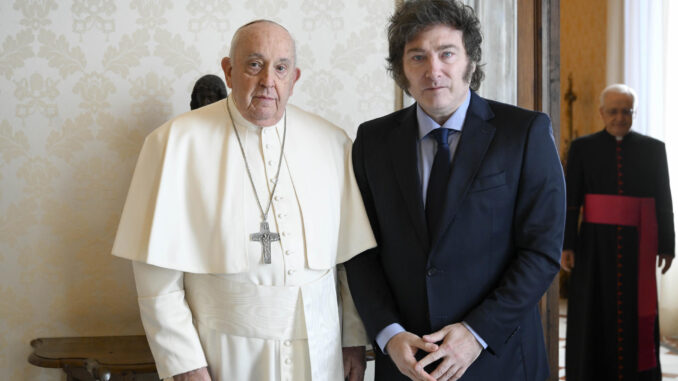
x=437 y=182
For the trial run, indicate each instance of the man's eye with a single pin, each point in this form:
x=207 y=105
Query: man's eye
x=281 y=68
x=417 y=58
x=447 y=54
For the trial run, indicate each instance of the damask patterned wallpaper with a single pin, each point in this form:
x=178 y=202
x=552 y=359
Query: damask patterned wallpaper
x=81 y=83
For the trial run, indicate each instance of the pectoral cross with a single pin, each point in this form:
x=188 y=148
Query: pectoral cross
x=265 y=236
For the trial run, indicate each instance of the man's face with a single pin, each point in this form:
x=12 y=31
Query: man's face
x=437 y=70
x=617 y=113
x=262 y=72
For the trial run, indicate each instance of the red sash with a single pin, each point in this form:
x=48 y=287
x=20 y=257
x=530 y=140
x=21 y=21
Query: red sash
x=638 y=212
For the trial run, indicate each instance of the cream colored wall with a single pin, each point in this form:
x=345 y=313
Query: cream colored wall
x=82 y=82
x=583 y=40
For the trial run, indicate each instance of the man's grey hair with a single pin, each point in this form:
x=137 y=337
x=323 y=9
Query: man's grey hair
x=236 y=37
x=618 y=88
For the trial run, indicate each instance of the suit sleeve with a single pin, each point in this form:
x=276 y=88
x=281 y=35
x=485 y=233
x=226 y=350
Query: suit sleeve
x=538 y=224
x=167 y=320
x=664 y=205
x=366 y=278
x=574 y=175
x=352 y=328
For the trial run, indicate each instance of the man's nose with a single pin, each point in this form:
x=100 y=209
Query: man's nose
x=433 y=69
x=266 y=78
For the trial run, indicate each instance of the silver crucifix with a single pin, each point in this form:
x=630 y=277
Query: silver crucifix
x=265 y=236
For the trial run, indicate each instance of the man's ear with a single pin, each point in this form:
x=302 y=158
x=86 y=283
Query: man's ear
x=297 y=74
x=227 y=67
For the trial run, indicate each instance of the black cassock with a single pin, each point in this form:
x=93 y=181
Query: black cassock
x=602 y=321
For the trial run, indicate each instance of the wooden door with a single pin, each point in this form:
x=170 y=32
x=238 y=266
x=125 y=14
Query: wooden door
x=539 y=89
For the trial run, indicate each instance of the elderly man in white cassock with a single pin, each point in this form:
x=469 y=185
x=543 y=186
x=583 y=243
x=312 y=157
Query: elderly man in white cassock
x=237 y=217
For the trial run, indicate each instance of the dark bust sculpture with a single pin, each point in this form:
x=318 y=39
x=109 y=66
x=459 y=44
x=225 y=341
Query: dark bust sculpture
x=208 y=89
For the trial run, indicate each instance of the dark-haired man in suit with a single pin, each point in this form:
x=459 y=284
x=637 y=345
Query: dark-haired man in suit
x=467 y=202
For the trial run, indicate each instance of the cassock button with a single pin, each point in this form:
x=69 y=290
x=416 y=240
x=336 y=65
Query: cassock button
x=270 y=162
x=432 y=271
x=288 y=361
x=285 y=234
x=278 y=198
x=290 y=272
x=287 y=343
x=288 y=252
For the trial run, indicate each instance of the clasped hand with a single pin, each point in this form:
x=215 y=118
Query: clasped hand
x=458 y=349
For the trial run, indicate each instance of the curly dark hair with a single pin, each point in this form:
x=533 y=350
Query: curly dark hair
x=413 y=16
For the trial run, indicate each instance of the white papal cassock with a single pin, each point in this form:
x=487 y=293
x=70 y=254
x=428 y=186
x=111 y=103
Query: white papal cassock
x=205 y=295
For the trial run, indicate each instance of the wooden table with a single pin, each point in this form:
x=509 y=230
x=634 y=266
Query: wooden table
x=103 y=358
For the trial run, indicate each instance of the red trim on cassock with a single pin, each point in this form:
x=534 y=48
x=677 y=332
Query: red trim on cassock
x=639 y=212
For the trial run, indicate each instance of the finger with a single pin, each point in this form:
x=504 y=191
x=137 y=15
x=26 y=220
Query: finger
x=356 y=375
x=667 y=266
x=418 y=373
x=427 y=347
x=436 y=336
x=430 y=358
x=457 y=375
x=565 y=262
x=449 y=373
x=423 y=345
x=445 y=367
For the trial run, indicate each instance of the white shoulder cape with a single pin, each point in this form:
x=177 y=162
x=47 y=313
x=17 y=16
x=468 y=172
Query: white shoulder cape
x=186 y=196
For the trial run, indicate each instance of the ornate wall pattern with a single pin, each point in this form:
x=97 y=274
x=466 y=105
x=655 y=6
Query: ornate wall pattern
x=82 y=82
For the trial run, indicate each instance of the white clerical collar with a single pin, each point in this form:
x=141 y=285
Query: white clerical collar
x=454 y=122
x=244 y=124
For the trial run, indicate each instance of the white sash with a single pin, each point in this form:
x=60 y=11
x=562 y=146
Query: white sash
x=268 y=312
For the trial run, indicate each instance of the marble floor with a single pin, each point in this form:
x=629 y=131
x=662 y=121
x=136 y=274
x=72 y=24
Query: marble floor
x=668 y=357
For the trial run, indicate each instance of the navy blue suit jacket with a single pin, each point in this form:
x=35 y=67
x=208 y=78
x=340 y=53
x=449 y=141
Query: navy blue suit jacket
x=496 y=253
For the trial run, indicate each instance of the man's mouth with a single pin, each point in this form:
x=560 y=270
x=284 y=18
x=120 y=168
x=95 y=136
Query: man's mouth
x=434 y=88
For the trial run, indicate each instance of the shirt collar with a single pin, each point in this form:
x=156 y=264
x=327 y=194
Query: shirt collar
x=455 y=121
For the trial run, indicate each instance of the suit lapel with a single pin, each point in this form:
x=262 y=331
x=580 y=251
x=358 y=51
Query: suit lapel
x=475 y=139
x=403 y=146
